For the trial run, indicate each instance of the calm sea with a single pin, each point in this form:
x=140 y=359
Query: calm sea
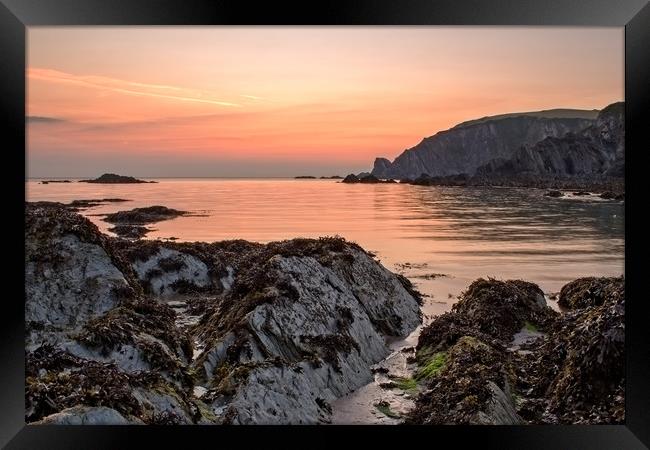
x=442 y=238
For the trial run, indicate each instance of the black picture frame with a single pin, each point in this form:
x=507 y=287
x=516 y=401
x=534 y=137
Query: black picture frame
x=634 y=15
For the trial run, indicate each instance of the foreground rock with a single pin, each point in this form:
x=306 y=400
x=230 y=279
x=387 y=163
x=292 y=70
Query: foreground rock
x=112 y=178
x=300 y=330
x=92 y=337
x=230 y=332
x=501 y=356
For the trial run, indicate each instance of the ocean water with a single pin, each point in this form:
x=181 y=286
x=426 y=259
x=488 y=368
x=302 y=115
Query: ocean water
x=442 y=238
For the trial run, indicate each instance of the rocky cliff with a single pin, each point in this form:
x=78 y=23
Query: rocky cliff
x=598 y=150
x=153 y=332
x=470 y=145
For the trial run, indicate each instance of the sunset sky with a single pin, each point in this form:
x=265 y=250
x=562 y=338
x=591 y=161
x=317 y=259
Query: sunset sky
x=285 y=101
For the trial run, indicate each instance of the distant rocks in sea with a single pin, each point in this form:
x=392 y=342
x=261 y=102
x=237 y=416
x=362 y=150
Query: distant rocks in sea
x=234 y=332
x=111 y=178
x=91 y=203
x=364 y=179
x=609 y=195
x=130 y=224
x=554 y=194
x=55 y=181
x=141 y=216
x=449 y=180
x=130 y=231
x=305 y=177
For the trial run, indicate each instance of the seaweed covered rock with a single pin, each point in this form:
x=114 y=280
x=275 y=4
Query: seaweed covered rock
x=93 y=339
x=72 y=272
x=471 y=387
x=86 y=415
x=130 y=231
x=277 y=331
x=300 y=330
x=590 y=291
x=57 y=381
x=573 y=372
x=445 y=330
x=501 y=308
x=138 y=336
x=168 y=272
x=143 y=216
x=579 y=368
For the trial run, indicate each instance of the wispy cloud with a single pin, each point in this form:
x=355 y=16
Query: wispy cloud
x=127 y=87
x=252 y=97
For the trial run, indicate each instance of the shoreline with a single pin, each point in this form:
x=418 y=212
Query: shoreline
x=207 y=285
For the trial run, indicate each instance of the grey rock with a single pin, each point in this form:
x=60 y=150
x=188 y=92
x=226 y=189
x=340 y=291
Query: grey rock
x=87 y=415
x=499 y=409
x=162 y=279
x=598 y=149
x=468 y=146
x=288 y=329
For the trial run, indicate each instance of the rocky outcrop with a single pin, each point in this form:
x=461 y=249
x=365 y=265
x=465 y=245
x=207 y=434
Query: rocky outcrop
x=501 y=356
x=589 y=291
x=598 y=150
x=303 y=328
x=228 y=332
x=92 y=338
x=559 y=149
x=468 y=146
x=112 y=178
x=351 y=178
x=577 y=373
x=365 y=179
x=130 y=231
x=91 y=203
x=142 y=216
x=84 y=415
x=72 y=272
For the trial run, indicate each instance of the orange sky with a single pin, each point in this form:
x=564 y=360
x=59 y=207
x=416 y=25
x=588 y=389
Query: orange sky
x=283 y=101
